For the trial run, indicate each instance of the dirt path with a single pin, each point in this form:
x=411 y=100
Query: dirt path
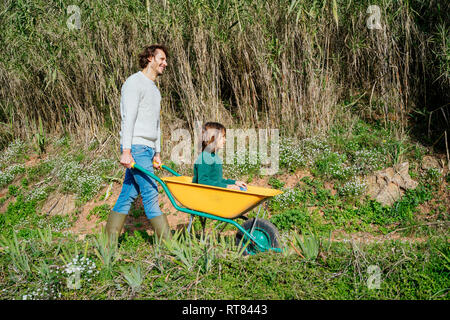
x=83 y=225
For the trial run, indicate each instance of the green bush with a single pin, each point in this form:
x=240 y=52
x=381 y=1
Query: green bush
x=102 y=212
x=132 y=242
x=288 y=199
x=298 y=218
x=353 y=188
x=402 y=211
x=17 y=212
x=332 y=165
x=13 y=190
x=291 y=154
x=40 y=170
x=14 y=153
x=84 y=182
x=9 y=174
x=275 y=183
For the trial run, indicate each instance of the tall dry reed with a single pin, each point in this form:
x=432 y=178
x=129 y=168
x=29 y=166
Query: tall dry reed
x=290 y=64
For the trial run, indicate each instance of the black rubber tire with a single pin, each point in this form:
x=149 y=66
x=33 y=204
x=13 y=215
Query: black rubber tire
x=263 y=225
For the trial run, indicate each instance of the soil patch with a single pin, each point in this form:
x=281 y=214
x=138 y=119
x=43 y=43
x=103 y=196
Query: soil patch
x=83 y=225
x=365 y=237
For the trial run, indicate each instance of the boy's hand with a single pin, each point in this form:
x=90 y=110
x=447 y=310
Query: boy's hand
x=233 y=187
x=241 y=184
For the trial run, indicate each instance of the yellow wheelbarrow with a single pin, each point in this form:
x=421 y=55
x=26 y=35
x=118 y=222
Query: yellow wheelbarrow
x=256 y=235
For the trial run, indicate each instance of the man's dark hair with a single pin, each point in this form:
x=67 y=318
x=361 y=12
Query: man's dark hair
x=150 y=51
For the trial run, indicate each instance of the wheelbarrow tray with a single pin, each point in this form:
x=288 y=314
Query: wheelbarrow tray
x=221 y=202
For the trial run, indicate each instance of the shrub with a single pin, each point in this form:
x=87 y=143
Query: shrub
x=298 y=217
x=332 y=165
x=288 y=199
x=275 y=183
x=365 y=161
x=353 y=188
x=13 y=152
x=102 y=212
x=83 y=182
x=7 y=176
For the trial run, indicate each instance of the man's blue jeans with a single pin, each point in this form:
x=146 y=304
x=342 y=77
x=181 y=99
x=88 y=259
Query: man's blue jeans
x=136 y=182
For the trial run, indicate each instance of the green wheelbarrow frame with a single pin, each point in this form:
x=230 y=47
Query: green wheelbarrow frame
x=248 y=235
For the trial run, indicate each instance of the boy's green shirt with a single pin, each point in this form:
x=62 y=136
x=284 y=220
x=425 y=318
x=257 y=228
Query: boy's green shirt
x=208 y=170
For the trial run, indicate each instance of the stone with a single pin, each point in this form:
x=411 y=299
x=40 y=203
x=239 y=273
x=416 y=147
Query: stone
x=388 y=185
x=429 y=162
x=60 y=204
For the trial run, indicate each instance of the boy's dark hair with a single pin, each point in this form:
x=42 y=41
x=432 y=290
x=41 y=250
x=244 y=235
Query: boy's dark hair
x=211 y=132
x=150 y=51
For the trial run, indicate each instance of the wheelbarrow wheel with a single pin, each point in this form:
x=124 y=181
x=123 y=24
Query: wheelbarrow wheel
x=264 y=231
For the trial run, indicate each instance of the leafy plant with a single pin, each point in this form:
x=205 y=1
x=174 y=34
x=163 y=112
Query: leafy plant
x=133 y=276
x=13 y=153
x=288 y=199
x=353 y=188
x=106 y=249
x=131 y=242
x=332 y=165
x=102 y=212
x=13 y=190
x=46 y=235
x=17 y=253
x=433 y=176
x=396 y=151
x=40 y=138
x=309 y=245
x=44 y=272
x=291 y=154
x=19 y=212
x=277 y=184
x=79 y=268
x=9 y=174
x=42 y=169
x=182 y=248
x=297 y=217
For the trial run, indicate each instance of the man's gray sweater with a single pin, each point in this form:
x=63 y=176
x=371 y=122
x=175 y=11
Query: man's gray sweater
x=140 y=106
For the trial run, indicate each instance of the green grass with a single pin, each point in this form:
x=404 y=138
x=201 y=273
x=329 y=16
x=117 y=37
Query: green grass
x=295 y=208
x=100 y=212
x=42 y=262
x=42 y=169
x=407 y=271
x=354 y=148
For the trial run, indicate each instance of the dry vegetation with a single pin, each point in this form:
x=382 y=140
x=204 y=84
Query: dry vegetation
x=295 y=65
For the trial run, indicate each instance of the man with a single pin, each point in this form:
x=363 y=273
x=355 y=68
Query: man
x=140 y=140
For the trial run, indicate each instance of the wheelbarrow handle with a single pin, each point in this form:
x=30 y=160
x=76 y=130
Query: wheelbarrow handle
x=163 y=166
x=170 y=170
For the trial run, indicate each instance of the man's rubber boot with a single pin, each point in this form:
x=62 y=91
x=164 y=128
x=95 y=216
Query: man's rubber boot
x=161 y=227
x=115 y=224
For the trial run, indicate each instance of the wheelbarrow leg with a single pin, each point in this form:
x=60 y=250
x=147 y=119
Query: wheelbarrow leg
x=190 y=223
x=191 y=219
x=203 y=221
x=224 y=224
x=256 y=219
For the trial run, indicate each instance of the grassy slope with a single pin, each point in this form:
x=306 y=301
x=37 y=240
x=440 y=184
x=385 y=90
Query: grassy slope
x=415 y=268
